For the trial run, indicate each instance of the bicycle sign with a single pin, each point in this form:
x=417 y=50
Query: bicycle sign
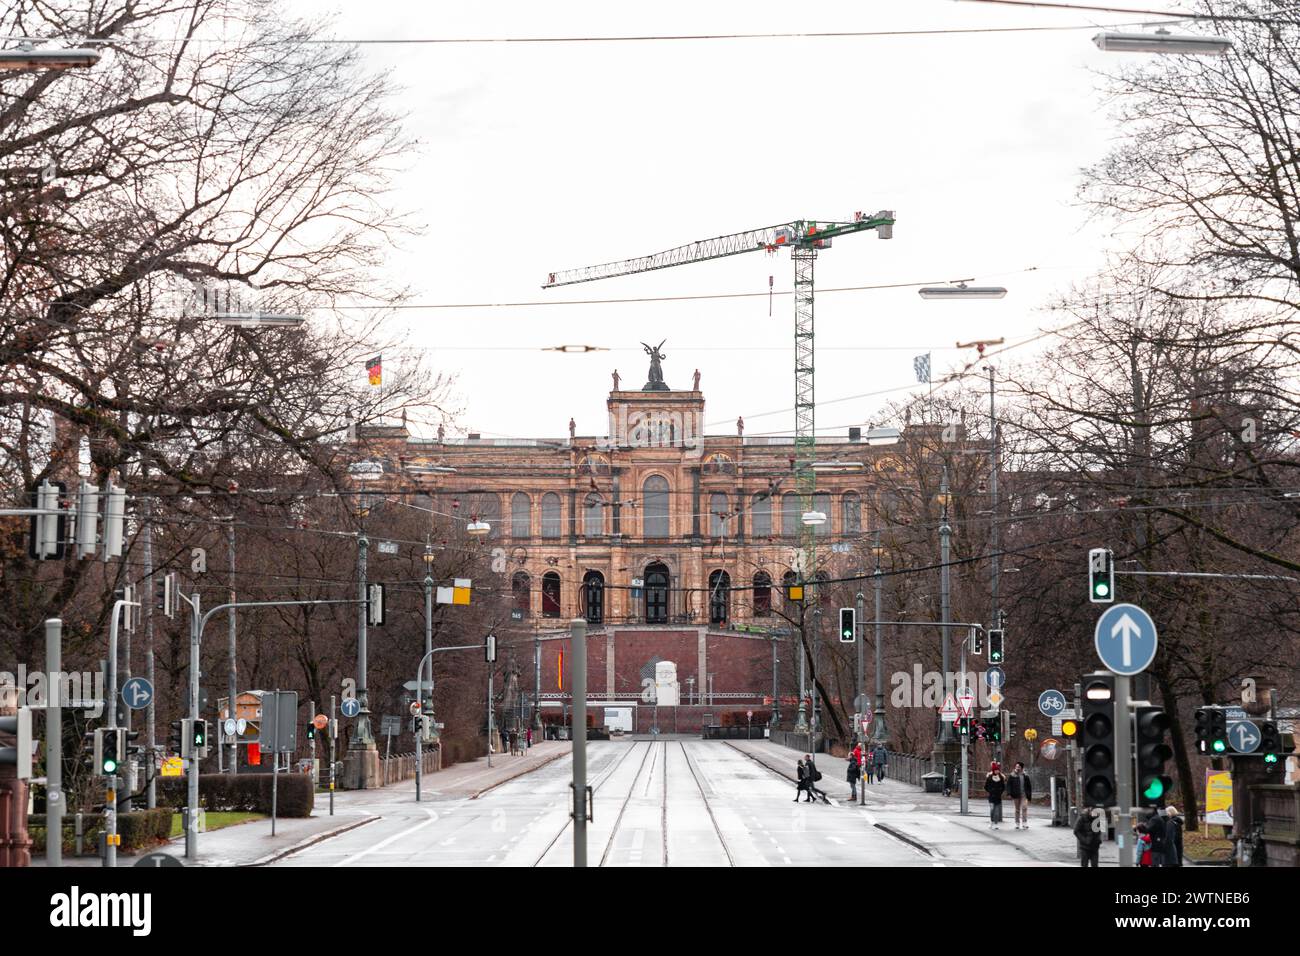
x=1051 y=703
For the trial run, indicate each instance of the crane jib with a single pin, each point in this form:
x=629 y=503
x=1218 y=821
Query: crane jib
x=802 y=232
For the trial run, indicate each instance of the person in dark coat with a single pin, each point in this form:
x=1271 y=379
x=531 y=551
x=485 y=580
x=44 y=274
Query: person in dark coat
x=1173 y=837
x=813 y=775
x=1157 y=828
x=1089 y=840
x=852 y=775
x=995 y=784
x=801 y=772
x=1021 y=790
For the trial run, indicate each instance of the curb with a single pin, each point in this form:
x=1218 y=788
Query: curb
x=910 y=841
x=521 y=773
x=311 y=841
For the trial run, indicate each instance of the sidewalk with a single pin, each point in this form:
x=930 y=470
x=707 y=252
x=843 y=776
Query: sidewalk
x=251 y=843
x=934 y=822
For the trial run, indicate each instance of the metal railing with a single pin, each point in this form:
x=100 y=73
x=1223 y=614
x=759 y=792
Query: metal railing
x=401 y=767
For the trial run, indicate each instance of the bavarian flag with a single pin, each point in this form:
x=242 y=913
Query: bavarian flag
x=374 y=368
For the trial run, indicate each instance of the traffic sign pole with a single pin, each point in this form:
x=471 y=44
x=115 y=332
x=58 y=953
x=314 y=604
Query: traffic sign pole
x=1124 y=835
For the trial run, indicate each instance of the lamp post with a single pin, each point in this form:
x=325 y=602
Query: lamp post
x=879 y=730
x=944 y=736
x=1161 y=41
x=426 y=702
x=27 y=57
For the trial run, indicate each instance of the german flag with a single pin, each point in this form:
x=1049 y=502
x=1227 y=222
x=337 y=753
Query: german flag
x=374 y=368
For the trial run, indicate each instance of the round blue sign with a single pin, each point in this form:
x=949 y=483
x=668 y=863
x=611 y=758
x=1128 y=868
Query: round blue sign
x=995 y=678
x=350 y=707
x=1051 y=703
x=137 y=693
x=1244 y=736
x=1125 y=638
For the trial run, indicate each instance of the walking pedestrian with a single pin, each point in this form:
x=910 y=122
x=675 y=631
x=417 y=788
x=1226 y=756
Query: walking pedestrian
x=1020 y=789
x=813 y=776
x=854 y=771
x=528 y=737
x=995 y=784
x=879 y=759
x=1087 y=833
x=1158 y=829
x=1173 y=837
x=802 y=776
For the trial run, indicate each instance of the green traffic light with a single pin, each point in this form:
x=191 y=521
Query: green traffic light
x=110 y=766
x=1270 y=758
x=1155 y=790
x=1219 y=746
x=1101 y=589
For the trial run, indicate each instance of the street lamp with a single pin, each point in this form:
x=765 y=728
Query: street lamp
x=814 y=518
x=961 y=291
x=254 y=320
x=26 y=57
x=1161 y=41
x=477 y=527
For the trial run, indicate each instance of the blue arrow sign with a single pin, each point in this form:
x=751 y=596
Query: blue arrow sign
x=1125 y=638
x=350 y=706
x=137 y=693
x=1244 y=736
x=995 y=677
x=1051 y=703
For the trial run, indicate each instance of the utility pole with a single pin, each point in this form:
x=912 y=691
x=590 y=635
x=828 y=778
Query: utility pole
x=994 y=468
x=233 y=667
x=944 y=737
x=879 y=729
x=801 y=721
x=151 y=798
x=859 y=607
x=55 y=799
x=578 y=681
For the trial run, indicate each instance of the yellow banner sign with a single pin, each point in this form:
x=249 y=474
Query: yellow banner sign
x=1218 y=797
x=173 y=767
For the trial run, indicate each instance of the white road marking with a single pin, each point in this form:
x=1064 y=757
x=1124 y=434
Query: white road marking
x=433 y=818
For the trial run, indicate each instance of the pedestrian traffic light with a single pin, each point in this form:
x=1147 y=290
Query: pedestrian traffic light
x=20 y=754
x=1098 y=739
x=199 y=738
x=311 y=731
x=963 y=726
x=848 y=625
x=1101 y=576
x=996 y=646
x=1270 y=745
x=1211 y=731
x=1150 y=724
x=176 y=739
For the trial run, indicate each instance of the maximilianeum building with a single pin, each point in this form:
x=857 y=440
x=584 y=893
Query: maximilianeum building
x=672 y=543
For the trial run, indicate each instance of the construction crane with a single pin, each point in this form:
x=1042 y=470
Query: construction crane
x=804 y=238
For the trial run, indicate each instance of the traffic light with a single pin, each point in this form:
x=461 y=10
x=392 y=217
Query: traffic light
x=47 y=532
x=993 y=728
x=20 y=754
x=996 y=646
x=199 y=738
x=976 y=641
x=1008 y=726
x=962 y=726
x=375 y=605
x=177 y=741
x=1098 y=739
x=1150 y=724
x=114 y=520
x=1270 y=745
x=1070 y=729
x=311 y=731
x=87 y=519
x=110 y=750
x=848 y=625
x=167 y=596
x=1211 y=731
x=1101 y=576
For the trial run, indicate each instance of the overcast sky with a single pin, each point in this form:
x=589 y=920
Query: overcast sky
x=540 y=157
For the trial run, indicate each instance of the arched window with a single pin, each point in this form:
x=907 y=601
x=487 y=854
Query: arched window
x=718 y=521
x=550 y=594
x=718 y=465
x=760 y=512
x=719 y=597
x=654 y=507
x=788 y=579
x=791 y=515
x=851 y=513
x=762 y=594
x=521 y=515
x=521 y=589
x=822 y=503
x=593 y=516
x=593 y=597
x=551 y=523
x=656 y=594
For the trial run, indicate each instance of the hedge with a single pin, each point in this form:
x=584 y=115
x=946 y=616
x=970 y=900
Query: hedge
x=247 y=792
x=139 y=830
